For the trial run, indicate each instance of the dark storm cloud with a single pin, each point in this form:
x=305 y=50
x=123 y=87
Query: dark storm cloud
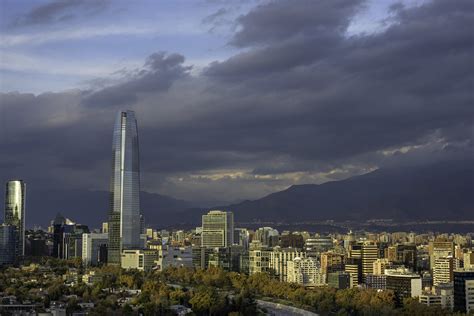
x=304 y=97
x=158 y=74
x=280 y=20
x=60 y=10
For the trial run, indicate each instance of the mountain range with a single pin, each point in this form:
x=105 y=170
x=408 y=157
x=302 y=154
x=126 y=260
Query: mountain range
x=438 y=191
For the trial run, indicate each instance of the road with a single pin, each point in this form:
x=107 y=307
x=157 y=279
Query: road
x=277 y=309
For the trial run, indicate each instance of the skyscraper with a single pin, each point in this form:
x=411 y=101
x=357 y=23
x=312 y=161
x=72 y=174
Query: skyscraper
x=15 y=212
x=217 y=229
x=124 y=212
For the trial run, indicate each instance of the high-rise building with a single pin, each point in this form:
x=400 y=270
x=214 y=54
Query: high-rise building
x=91 y=246
x=15 y=212
x=124 y=214
x=464 y=290
x=353 y=266
x=468 y=259
x=331 y=262
x=268 y=236
x=241 y=237
x=217 y=229
x=443 y=270
x=67 y=238
x=370 y=253
x=440 y=248
x=8 y=242
x=406 y=255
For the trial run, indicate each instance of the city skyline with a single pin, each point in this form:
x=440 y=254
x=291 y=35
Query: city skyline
x=240 y=157
x=232 y=108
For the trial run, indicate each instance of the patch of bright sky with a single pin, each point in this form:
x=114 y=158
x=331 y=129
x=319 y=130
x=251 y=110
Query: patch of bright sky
x=63 y=55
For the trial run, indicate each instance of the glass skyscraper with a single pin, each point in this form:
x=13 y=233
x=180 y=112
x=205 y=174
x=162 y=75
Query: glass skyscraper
x=15 y=212
x=124 y=213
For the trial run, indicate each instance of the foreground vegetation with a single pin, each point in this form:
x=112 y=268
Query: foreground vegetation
x=209 y=292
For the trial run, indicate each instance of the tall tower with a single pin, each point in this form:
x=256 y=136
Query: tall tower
x=15 y=212
x=124 y=213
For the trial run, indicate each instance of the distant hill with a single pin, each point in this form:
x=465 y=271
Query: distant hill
x=90 y=207
x=438 y=191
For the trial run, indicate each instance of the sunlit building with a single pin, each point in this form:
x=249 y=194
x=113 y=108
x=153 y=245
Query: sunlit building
x=124 y=214
x=15 y=212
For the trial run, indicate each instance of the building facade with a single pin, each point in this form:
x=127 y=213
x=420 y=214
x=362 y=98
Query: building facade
x=124 y=213
x=15 y=212
x=8 y=242
x=91 y=246
x=217 y=229
x=142 y=260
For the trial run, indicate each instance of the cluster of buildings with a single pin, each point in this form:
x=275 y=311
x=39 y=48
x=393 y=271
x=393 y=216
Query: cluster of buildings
x=437 y=269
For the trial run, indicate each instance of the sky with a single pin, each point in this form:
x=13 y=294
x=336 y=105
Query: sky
x=234 y=99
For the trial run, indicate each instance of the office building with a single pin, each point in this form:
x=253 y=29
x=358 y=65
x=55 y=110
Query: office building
x=91 y=248
x=440 y=248
x=331 y=262
x=124 y=214
x=339 y=280
x=67 y=238
x=228 y=258
x=376 y=281
x=406 y=255
x=380 y=265
x=242 y=237
x=8 y=243
x=370 y=253
x=293 y=240
x=15 y=212
x=353 y=266
x=200 y=257
x=139 y=259
x=403 y=283
x=268 y=236
x=463 y=290
x=443 y=270
x=217 y=229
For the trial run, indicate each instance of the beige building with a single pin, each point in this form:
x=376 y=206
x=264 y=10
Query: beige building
x=468 y=259
x=331 y=262
x=440 y=249
x=143 y=260
x=443 y=270
x=380 y=265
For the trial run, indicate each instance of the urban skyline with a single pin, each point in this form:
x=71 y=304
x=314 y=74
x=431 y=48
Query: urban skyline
x=273 y=157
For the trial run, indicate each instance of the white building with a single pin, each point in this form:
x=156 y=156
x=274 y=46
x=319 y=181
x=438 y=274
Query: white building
x=305 y=271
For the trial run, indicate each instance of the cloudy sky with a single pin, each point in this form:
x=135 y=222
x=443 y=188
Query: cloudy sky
x=234 y=100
